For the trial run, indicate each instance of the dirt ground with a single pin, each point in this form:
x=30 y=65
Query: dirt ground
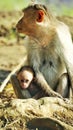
x=10 y=56
x=11 y=50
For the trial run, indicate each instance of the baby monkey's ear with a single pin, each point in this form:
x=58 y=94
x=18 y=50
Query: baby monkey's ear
x=41 y=15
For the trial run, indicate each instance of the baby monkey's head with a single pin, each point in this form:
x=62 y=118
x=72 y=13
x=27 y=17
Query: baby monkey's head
x=25 y=76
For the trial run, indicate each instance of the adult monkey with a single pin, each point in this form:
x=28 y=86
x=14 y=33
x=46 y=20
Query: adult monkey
x=49 y=49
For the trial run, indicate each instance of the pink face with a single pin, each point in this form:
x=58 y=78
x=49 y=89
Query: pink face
x=25 y=77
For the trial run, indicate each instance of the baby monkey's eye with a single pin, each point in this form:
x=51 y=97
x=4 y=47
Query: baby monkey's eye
x=24 y=80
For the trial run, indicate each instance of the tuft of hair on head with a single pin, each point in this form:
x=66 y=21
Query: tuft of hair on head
x=37 y=7
x=44 y=8
x=27 y=68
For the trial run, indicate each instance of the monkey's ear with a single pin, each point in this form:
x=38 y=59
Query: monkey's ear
x=40 y=15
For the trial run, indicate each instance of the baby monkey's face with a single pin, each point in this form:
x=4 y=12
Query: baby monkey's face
x=25 y=77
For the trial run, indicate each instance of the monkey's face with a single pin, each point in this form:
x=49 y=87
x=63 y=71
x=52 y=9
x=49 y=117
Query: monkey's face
x=25 y=77
x=31 y=22
x=27 y=22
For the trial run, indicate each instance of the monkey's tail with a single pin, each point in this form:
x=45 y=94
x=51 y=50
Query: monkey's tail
x=45 y=124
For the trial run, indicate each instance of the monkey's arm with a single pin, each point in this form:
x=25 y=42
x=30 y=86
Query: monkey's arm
x=44 y=85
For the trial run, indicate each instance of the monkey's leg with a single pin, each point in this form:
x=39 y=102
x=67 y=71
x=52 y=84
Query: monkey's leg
x=45 y=87
x=63 y=85
x=20 y=93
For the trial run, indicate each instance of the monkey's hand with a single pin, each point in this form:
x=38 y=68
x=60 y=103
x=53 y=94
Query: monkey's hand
x=54 y=94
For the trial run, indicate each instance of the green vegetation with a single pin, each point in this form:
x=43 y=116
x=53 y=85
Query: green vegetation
x=62 y=10
x=20 y=4
x=67 y=11
x=13 y=4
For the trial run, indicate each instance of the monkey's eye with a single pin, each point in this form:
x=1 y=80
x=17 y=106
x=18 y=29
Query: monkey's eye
x=24 y=80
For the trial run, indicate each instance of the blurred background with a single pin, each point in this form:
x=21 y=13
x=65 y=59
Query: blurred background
x=59 y=6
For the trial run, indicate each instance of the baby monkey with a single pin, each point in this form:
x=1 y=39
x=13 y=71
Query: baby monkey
x=25 y=85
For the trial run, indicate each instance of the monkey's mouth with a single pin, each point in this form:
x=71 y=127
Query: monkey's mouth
x=18 y=28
